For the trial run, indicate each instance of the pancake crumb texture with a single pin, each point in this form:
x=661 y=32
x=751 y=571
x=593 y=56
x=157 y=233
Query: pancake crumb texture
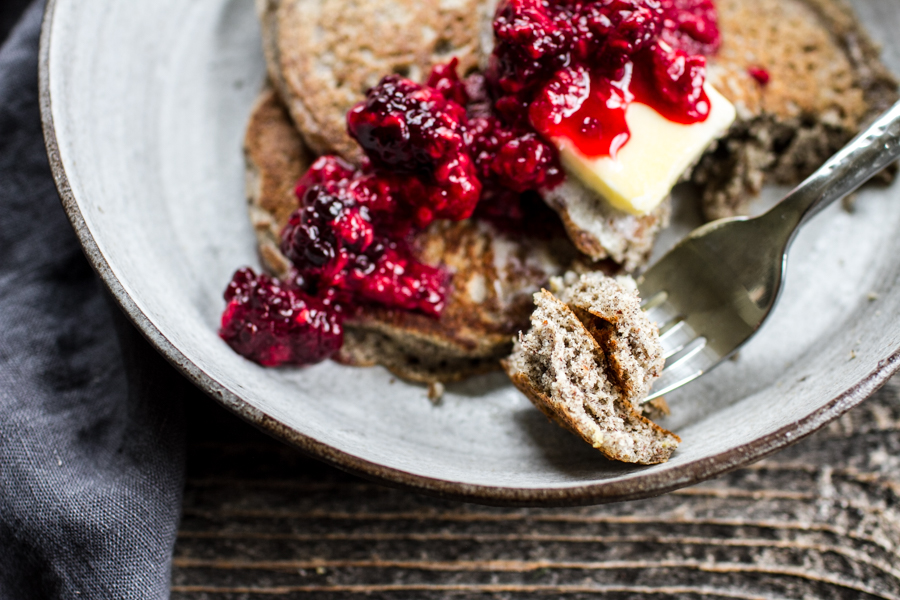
x=588 y=361
x=601 y=231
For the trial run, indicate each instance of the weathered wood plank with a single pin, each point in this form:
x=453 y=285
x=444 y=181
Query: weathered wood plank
x=819 y=520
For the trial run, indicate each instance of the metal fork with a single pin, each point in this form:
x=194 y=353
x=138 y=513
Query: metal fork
x=714 y=290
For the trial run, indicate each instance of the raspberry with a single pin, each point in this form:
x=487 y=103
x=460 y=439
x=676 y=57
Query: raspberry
x=392 y=278
x=334 y=245
x=273 y=324
x=406 y=127
x=445 y=80
x=526 y=163
x=678 y=78
x=760 y=74
x=321 y=236
x=573 y=66
x=691 y=25
x=512 y=158
x=415 y=137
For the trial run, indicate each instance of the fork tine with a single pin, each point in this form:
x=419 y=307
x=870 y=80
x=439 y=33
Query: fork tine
x=674 y=332
x=654 y=300
x=675 y=336
x=685 y=366
x=662 y=314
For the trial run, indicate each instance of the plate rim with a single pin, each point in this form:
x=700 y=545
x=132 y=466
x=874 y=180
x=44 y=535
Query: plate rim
x=646 y=486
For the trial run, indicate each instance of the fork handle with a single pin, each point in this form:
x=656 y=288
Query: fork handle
x=869 y=153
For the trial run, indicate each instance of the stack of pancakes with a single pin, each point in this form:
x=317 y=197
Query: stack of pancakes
x=322 y=55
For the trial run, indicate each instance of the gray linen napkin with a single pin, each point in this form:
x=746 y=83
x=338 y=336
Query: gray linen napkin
x=91 y=426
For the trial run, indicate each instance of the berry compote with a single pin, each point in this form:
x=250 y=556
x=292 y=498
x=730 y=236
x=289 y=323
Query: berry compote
x=455 y=148
x=573 y=67
x=413 y=136
x=349 y=239
x=274 y=323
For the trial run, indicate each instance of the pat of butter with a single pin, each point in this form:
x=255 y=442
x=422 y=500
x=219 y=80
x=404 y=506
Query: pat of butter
x=652 y=161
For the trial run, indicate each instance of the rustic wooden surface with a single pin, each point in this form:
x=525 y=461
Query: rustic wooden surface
x=820 y=520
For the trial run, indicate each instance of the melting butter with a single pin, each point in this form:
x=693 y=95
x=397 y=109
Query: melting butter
x=653 y=160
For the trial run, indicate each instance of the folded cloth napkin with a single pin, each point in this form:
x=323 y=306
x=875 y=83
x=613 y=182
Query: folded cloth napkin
x=91 y=430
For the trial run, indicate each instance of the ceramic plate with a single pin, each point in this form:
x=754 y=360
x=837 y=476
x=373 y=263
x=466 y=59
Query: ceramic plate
x=144 y=105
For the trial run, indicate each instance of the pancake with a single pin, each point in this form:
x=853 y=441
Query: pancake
x=494 y=272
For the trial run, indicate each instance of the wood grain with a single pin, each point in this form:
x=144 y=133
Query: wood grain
x=819 y=520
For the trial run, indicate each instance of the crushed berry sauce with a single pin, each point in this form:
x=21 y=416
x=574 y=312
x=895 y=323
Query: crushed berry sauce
x=574 y=66
x=456 y=148
x=273 y=323
x=349 y=239
x=760 y=74
x=413 y=137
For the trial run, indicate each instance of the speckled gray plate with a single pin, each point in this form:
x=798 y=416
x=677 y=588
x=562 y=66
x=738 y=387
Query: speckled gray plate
x=144 y=105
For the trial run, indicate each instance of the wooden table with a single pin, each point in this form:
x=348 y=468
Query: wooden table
x=819 y=520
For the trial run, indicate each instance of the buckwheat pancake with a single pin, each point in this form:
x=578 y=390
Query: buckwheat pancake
x=494 y=272
x=324 y=54
x=825 y=82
